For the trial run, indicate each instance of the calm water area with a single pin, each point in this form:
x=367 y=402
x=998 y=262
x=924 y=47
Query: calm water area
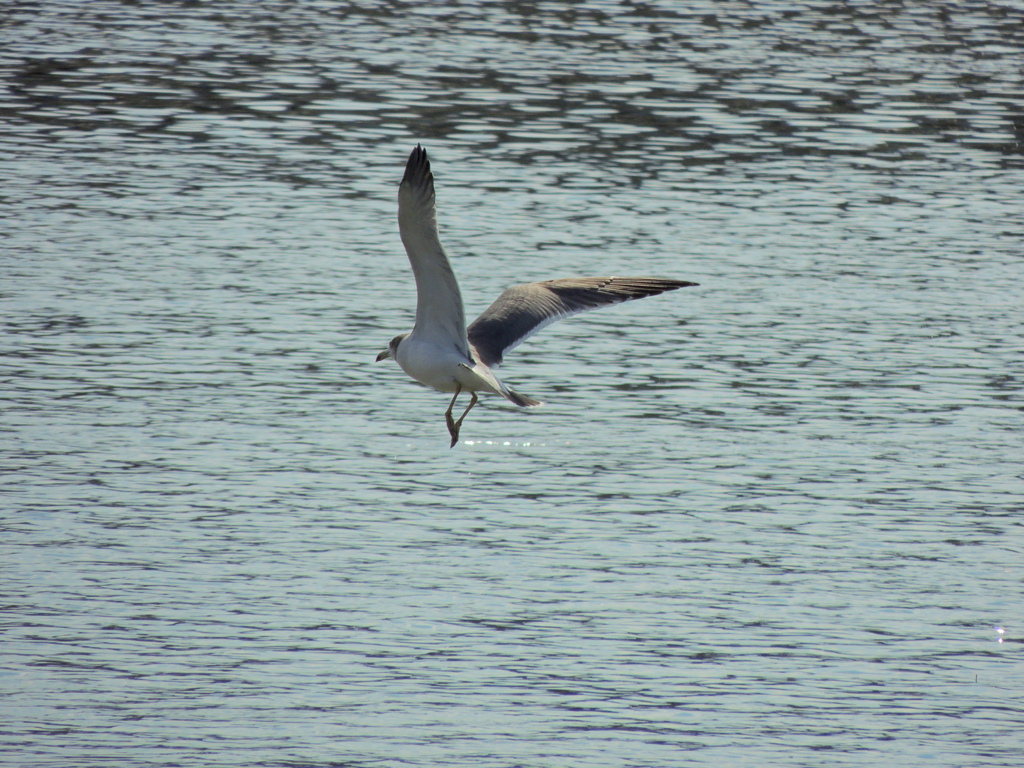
x=775 y=520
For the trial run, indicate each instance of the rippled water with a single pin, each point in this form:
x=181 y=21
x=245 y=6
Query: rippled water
x=775 y=520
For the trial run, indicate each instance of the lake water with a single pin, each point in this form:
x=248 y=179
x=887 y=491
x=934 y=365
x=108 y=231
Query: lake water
x=776 y=520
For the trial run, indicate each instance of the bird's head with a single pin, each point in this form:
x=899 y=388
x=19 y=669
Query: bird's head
x=392 y=349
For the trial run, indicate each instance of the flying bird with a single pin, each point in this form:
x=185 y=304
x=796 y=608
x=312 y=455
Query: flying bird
x=441 y=351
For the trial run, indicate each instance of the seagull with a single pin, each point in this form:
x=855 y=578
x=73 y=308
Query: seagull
x=441 y=351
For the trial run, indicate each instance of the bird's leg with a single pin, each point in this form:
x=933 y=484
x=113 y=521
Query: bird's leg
x=453 y=428
x=458 y=424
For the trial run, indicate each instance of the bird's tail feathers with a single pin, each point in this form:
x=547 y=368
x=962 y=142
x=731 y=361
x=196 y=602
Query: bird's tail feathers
x=521 y=400
x=481 y=377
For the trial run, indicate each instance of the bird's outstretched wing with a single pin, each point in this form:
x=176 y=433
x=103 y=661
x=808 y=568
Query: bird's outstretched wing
x=439 y=313
x=524 y=309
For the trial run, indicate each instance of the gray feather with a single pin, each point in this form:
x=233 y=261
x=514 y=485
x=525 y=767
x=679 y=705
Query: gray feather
x=524 y=309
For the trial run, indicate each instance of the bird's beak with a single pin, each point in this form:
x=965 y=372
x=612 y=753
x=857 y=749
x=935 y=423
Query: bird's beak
x=384 y=355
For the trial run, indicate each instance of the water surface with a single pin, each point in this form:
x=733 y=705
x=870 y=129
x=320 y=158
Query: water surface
x=775 y=520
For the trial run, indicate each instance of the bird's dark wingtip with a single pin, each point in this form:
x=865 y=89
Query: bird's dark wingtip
x=418 y=167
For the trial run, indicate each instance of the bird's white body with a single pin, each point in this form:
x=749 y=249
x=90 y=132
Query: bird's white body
x=440 y=365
